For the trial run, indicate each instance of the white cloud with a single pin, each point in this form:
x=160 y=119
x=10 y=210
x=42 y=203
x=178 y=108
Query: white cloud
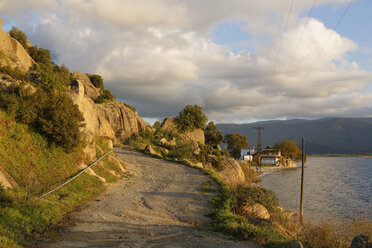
x=158 y=56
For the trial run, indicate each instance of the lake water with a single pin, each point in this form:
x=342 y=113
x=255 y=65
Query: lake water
x=336 y=188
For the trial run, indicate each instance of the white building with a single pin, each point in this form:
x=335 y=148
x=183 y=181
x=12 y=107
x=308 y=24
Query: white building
x=247 y=155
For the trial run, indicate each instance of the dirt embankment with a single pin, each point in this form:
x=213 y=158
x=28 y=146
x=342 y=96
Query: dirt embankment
x=161 y=206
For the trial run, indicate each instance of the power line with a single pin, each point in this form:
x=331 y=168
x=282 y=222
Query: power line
x=329 y=37
x=300 y=38
x=281 y=41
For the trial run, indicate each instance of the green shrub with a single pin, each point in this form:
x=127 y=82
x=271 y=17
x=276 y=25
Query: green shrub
x=213 y=136
x=20 y=36
x=52 y=76
x=130 y=107
x=13 y=72
x=106 y=96
x=191 y=117
x=60 y=121
x=40 y=55
x=5 y=200
x=180 y=151
x=263 y=196
x=97 y=81
x=50 y=112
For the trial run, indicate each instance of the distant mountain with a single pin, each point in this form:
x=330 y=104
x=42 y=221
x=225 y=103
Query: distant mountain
x=322 y=136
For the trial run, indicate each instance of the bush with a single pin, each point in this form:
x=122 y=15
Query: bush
x=265 y=197
x=5 y=200
x=213 y=136
x=40 y=55
x=106 y=96
x=13 y=72
x=96 y=80
x=20 y=36
x=180 y=151
x=52 y=76
x=50 y=112
x=60 y=120
x=191 y=117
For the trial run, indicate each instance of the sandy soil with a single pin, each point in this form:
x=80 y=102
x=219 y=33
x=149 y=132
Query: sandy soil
x=162 y=206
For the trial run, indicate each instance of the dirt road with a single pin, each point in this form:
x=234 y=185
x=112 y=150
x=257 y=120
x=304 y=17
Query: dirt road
x=163 y=205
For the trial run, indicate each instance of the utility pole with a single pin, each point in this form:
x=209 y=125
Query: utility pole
x=259 y=144
x=302 y=183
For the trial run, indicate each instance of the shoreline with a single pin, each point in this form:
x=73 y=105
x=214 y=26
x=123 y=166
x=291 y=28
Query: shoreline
x=266 y=170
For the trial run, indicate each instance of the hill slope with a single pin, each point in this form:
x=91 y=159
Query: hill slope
x=322 y=136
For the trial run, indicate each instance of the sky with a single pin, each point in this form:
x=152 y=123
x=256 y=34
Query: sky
x=241 y=60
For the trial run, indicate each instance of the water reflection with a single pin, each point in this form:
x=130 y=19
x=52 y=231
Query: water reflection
x=335 y=188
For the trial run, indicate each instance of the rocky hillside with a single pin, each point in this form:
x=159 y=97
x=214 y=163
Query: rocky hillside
x=114 y=121
x=13 y=54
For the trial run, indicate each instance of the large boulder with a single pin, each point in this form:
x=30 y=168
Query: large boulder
x=6 y=181
x=232 y=172
x=195 y=135
x=13 y=54
x=151 y=150
x=252 y=209
x=123 y=120
x=113 y=121
x=287 y=162
x=361 y=241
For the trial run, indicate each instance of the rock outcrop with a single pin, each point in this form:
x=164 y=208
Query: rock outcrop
x=123 y=120
x=10 y=85
x=89 y=90
x=195 y=136
x=151 y=150
x=231 y=172
x=252 y=209
x=13 y=54
x=287 y=162
x=113 y=121
x=6 y=180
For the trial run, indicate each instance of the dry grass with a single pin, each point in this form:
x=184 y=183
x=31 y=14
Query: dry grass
x=340 y=236
x=251 y=175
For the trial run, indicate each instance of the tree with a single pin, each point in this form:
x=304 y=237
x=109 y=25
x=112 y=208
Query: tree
x=236 y=142
x=289 y=149
x=191 y=117
x=20 y=36
x=59 y=119
x=213 y=136
x=40 y=55
x=97 y=81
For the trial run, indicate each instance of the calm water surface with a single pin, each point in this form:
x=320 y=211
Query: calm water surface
x=335 y=188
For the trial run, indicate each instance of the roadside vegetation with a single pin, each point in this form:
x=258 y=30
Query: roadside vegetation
x=40 y=148
x=282 y=229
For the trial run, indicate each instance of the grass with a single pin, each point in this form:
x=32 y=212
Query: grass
x=37 y=168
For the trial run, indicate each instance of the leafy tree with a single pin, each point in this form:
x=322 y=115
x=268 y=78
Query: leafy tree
x=96 y=80
x=289 y=149
x=213 y=136
x=20 y=36
x=40 y=55
x=60 y=120
x=191 y=117
x=236 y=142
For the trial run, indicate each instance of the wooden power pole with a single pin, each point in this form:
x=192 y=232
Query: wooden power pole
x=302 y=183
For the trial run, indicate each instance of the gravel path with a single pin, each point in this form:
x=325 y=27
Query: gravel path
x=161 y=206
